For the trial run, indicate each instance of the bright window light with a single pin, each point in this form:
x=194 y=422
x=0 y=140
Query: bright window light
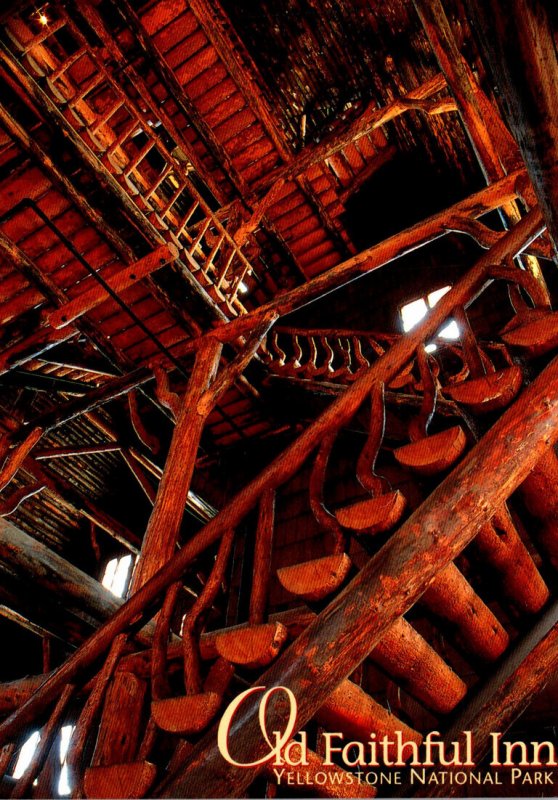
x=451 y=331
x=433 y=297
x=26 y=754
x=430 y=348
x=116 y=575
x=242 y=287
x=64 y=787
x=412 y=313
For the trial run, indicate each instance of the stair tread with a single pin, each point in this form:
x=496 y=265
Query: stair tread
x=489 y=392
x=433 y=453
x=314 y=580
x=373 y=515
x=253 y=646
x=186 y=714
x=119 y=780
x=536 y=336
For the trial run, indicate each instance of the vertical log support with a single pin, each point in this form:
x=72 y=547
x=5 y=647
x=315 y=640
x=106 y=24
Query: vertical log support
x=496 y=150
x=163 y=528
x=518 y=45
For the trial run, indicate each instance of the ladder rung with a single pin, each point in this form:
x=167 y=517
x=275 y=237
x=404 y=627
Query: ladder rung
x=105 y=118
x=67 y=64
x=91 y=84
x=164 y=174
x=214 y=251
x=201 y=234
x=173 y=199
x=139 y=157
x=185 y=220
x=41 y=37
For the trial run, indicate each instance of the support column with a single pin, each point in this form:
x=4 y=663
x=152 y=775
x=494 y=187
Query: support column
x=518 y=45
x=161 y=536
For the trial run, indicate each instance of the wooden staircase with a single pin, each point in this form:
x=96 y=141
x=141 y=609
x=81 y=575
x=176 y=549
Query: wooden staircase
x=391 y=596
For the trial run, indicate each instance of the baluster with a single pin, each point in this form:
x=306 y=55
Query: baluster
x=428 y=455
x=192 y=712
x=483 y=392
x=385 y=507
x=316 y=579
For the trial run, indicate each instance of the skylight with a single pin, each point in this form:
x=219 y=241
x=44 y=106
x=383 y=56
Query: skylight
x=117 y=573
x=412 y=313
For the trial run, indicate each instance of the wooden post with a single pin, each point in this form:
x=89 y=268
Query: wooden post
x=387 y=587
x=521 y=676
x=162 y=532
x=524 y=62
x=496 y=150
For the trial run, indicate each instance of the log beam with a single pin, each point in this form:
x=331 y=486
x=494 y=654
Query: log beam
x=161 y=536
x=523 y=674
x=524 y=63
x=392 y=248
x=496 y=149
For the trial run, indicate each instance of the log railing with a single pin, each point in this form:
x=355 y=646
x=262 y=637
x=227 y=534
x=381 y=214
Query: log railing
x=342 y=355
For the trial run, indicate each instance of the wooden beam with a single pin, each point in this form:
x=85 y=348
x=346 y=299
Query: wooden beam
x=127 y=276
x=369 y=120
x=521 y=676
x=540 y=413
x=386 y=587
x=396 y=246
x=161 y=536
x=496 y=149
x=36 y=564
x=524 y=63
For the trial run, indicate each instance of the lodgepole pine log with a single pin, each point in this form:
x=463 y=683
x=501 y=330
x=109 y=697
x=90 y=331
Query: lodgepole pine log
x=524 y=62
x=496 y=149
x=350 y=710
x=127 y=276
x=500 y=545
x=539 y=492
x=370 y=120
x=163 y=528
x=262 y=558
x=452 y=598
x=336 y=415
x=388 y=586
x=523 y=674
x=396 y=246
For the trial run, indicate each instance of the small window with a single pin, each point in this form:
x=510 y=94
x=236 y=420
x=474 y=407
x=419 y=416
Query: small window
x=117 y=575
x=412 y=313
x=28 y=751
x=64 y=788
x=26 y=754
